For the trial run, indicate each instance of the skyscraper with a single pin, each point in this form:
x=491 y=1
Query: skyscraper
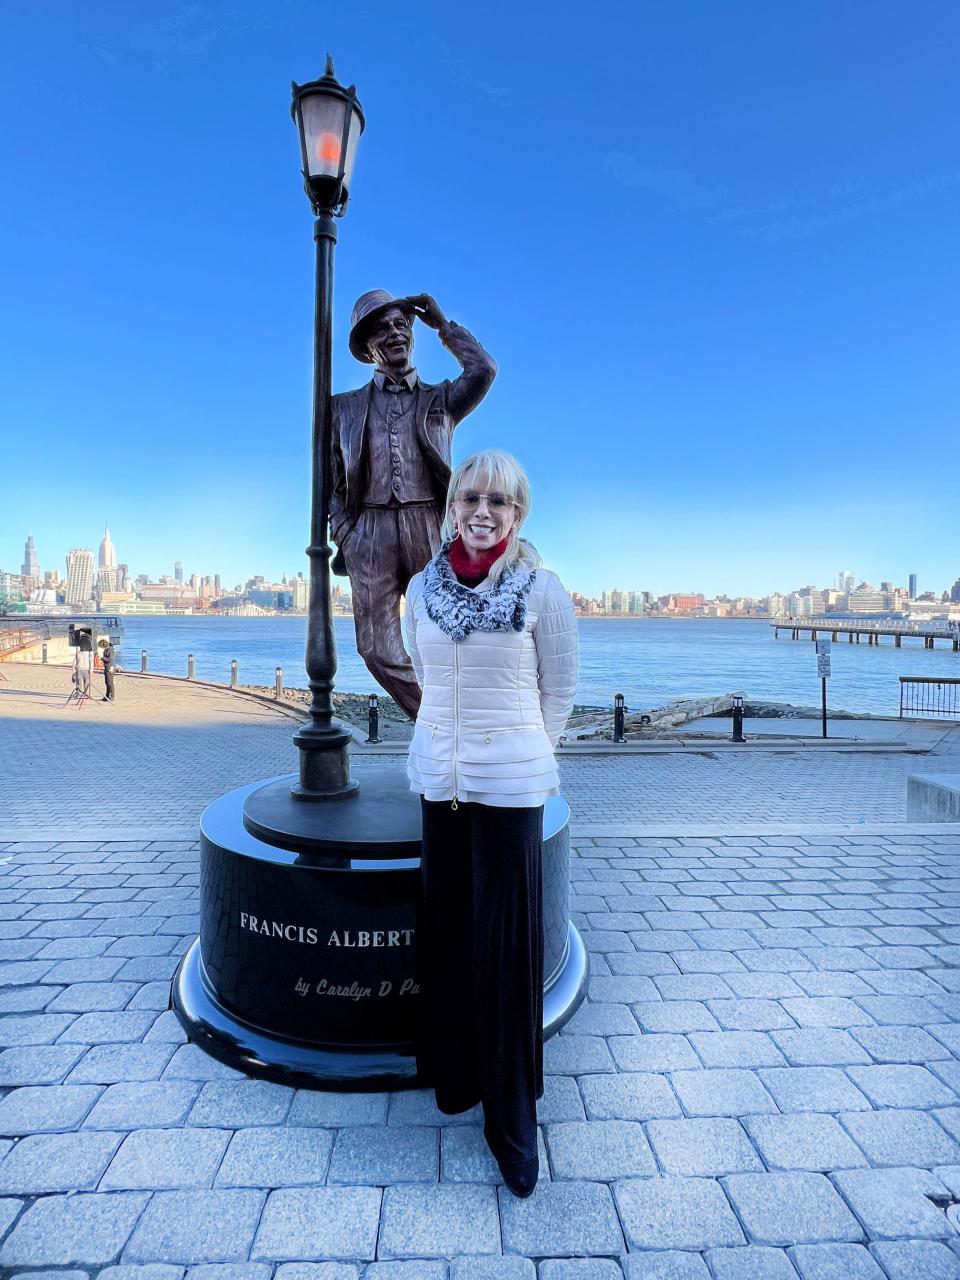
x=912 y=587
x=177 y=571
x=31 y=561
x=108 y=557
x=79 y=576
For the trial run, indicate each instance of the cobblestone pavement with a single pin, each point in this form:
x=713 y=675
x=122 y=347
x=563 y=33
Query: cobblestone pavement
x=166 y=749
x=763 y=1083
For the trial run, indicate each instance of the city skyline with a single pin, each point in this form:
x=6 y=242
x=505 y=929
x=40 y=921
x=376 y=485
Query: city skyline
x=721 y=303
x=845 y=580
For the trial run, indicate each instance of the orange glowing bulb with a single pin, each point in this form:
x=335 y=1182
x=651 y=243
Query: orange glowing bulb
x=328 y=148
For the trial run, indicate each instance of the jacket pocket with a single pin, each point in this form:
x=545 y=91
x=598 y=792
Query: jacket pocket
x=502 y=745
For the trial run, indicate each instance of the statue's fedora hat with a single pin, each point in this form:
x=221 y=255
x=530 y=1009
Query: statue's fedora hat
x=365 y=310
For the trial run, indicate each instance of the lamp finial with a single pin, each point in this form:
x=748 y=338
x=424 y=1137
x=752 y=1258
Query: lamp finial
x=328 y=69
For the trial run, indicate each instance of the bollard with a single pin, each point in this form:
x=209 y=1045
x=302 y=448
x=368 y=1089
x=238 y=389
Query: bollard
x=191 y=667
x=618 y=710
x=373 y=720
x=143 y=661
x=233 y=674
x=43 y=653
x=737 y=719
x=278 y=684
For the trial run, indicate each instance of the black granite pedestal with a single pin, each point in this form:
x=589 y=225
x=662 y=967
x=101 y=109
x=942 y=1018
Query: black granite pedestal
x=305 y=968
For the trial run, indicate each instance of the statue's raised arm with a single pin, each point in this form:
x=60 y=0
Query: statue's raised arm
x=390 y=466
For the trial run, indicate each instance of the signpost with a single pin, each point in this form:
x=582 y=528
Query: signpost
x=823 y=671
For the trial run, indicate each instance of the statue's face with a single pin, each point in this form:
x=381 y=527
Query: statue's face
x=391 y=339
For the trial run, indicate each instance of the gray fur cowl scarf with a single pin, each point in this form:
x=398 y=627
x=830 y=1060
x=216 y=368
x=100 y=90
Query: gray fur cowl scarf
x=457 y=610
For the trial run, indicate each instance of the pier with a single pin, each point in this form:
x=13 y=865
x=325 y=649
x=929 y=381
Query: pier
x=872 y=629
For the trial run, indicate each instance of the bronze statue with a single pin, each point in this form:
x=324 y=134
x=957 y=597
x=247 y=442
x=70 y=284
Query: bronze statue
x=390 y=468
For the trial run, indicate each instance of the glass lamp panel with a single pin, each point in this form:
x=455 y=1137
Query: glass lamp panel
x=353 y=137
x=323 y=119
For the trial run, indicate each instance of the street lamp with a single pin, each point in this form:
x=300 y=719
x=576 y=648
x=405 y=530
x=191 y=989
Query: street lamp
x=330 y=121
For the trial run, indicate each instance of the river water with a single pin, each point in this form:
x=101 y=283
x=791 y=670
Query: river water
x=648 y=660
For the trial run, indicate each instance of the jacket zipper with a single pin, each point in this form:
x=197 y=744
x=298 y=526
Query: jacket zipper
x=456 y=728
x=510 y=728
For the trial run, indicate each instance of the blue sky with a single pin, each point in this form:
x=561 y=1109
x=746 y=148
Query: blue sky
x=713 y=248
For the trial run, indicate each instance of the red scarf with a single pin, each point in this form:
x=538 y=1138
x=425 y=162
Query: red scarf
x=472 y=572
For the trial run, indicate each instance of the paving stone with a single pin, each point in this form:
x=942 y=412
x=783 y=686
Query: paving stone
x=902 y=1086
x=230 y=1271
x=113 y=1063
x=441 y=1221
x=492 y=1269
x=909 y=1259
x=326 y=1271
x=33 y=1028
x=899 y=1044
x=652 y=1053
x=702 y=1148
x=149 y=1271
x=667 y=1264
x=57 y=1162
x=790 y=1208
x=894 y=1202
x=311 y=1107
x=166 y=1029
x=599 y=1150
x=810 y=1142
x=676 y=1213
x=29 y=999
x=50 y=1275
x=629 y=1096
x=602 y=1020
x=196 y=1226
x=161 y=1159
x=71 y=1229
x=834 y=1262
x=736 y=1049
x=563 y=1220
x=37 y=1064
x=234 y=1105
x=674 y=1016
x=901 y=1137
x=190 y=1062
x=141 y=1104
x=92 y=971
x=419 y=1106
x=561 y=1099
x=318 y=1223
x=813 y=1089
x=752 y=1262
x=106 y=1028
x=819 y=1047
x=578 y=1269
x=421 y=1269
x=750 y=1015
x=46 y=1108
x=723 y=1092
x=379 y=1154
x=576 y=1055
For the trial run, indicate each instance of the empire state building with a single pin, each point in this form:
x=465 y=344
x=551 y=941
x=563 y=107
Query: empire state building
x=108 y=556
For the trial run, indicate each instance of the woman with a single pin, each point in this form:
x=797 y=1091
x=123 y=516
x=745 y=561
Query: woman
x=493 y=640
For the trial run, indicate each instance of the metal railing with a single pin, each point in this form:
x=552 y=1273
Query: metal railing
x=942 y=629
x=932 y=696
x=16 y=638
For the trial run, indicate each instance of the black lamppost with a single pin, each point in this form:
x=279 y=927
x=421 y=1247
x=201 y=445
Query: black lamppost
x=330 y=122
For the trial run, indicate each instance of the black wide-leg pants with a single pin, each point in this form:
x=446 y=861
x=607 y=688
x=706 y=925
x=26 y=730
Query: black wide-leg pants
x=480 y=957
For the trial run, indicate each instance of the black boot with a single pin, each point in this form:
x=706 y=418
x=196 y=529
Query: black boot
x=521 y=1178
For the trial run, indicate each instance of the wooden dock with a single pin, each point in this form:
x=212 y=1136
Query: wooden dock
x=873 y=629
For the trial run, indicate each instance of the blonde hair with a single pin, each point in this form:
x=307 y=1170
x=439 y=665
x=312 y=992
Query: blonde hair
x=495 y=471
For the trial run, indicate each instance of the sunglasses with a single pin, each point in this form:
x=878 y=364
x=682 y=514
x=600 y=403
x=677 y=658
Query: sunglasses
x=495 y=501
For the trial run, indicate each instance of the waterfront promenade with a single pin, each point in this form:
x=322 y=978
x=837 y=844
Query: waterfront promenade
x=764 y=1082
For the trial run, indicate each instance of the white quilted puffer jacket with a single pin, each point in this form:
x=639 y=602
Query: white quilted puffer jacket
x=494 y=704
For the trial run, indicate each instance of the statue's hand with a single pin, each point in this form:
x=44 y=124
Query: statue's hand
x=427 y=309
